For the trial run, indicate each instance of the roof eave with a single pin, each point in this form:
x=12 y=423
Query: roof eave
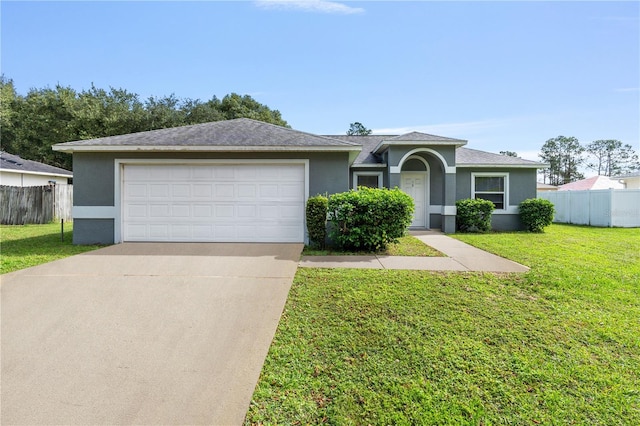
x=36 y=173
x=511 y=166
x=201 y=148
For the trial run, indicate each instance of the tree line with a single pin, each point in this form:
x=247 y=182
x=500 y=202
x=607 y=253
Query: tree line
x=30 y=124
x=566 y=157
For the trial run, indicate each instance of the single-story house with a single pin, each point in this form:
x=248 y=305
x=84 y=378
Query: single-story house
x=244 y=180
x=16 y=171
x=594 y=182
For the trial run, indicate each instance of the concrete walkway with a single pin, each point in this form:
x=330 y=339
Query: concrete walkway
x=461 y=257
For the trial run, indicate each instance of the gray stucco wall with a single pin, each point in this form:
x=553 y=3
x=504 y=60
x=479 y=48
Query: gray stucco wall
x=92 y=231
x=94 y=175
x=93 y=179
x=522 y=183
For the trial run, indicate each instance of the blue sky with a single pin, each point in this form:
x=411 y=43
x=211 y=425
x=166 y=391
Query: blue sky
x=503 y=75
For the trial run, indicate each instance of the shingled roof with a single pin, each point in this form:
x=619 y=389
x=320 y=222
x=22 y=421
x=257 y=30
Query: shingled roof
x=464 y=156
x=10 y=162
x=467 y=157
x=236 y=134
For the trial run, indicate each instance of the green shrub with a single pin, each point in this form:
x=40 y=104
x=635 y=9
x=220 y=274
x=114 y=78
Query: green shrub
x=474 y=215
x=317 y=220
x=369 y=219
x=536 y=214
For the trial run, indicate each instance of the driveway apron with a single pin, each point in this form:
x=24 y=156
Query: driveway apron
x=141 y=333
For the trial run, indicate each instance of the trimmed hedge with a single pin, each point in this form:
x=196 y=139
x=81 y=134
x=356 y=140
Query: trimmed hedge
x=317 y=220
x=536 y=214
x=370 y=218
x=474 y=215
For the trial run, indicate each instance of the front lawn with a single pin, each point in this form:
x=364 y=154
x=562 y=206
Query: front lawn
x=23 y=246
x=558 y=345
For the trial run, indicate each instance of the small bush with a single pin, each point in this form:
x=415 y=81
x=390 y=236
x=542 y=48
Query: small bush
x=474 y=215
x=369 y=219
x=536 y=214
x=317 y=220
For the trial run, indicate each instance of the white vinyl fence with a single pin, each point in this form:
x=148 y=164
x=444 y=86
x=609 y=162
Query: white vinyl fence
x=602 y=207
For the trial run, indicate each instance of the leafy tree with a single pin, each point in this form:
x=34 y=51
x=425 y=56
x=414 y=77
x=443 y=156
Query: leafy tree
x=564 y=155
x=610 y=157
x=509 y=153
x=30 y=124
x=358 y=129
x=8 y=106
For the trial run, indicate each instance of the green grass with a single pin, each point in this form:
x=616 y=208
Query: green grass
x=23 y=246
x=406 y=246
x=558 y=345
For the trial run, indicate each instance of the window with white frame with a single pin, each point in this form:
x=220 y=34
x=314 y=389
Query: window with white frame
x=491 y=186
x=368 y=179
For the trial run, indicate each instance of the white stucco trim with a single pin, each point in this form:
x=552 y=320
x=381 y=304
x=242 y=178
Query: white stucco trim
x=447 y=167
x=369 y=166
x=119 y=164
x=449 y=210
x=94 y=212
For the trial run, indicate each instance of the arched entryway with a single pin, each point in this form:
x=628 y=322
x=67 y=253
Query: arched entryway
x=414 y=180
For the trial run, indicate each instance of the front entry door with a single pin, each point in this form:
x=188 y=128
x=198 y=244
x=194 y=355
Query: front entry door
x=415 y=184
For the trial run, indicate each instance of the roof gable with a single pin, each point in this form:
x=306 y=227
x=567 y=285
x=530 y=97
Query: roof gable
x=10 y=162
x=424 y=137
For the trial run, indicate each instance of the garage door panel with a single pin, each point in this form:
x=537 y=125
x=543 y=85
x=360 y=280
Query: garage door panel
x=202 y=211
x=158 y=190
x=214 y=203
x=202 y=190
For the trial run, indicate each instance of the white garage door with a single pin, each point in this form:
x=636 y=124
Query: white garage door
x=221 y=203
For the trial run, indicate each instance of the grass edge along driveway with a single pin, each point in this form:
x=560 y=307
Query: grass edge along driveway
x=560 y=344
x=23 y=246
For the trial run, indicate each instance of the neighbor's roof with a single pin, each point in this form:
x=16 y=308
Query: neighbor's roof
x=240 y=134
x=14 y=163
x=595 y=182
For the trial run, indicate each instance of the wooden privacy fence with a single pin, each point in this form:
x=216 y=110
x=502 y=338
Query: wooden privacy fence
x=602 y=207
x=35 y=204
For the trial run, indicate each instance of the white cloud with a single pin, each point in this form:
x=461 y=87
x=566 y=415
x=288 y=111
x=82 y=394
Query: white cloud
x=315 y=6
x=447 y=129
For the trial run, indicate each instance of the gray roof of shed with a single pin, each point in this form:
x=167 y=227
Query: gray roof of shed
x=14 y=162
x=238 y=133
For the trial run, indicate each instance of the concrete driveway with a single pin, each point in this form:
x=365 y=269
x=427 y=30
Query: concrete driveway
x=141 y=333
